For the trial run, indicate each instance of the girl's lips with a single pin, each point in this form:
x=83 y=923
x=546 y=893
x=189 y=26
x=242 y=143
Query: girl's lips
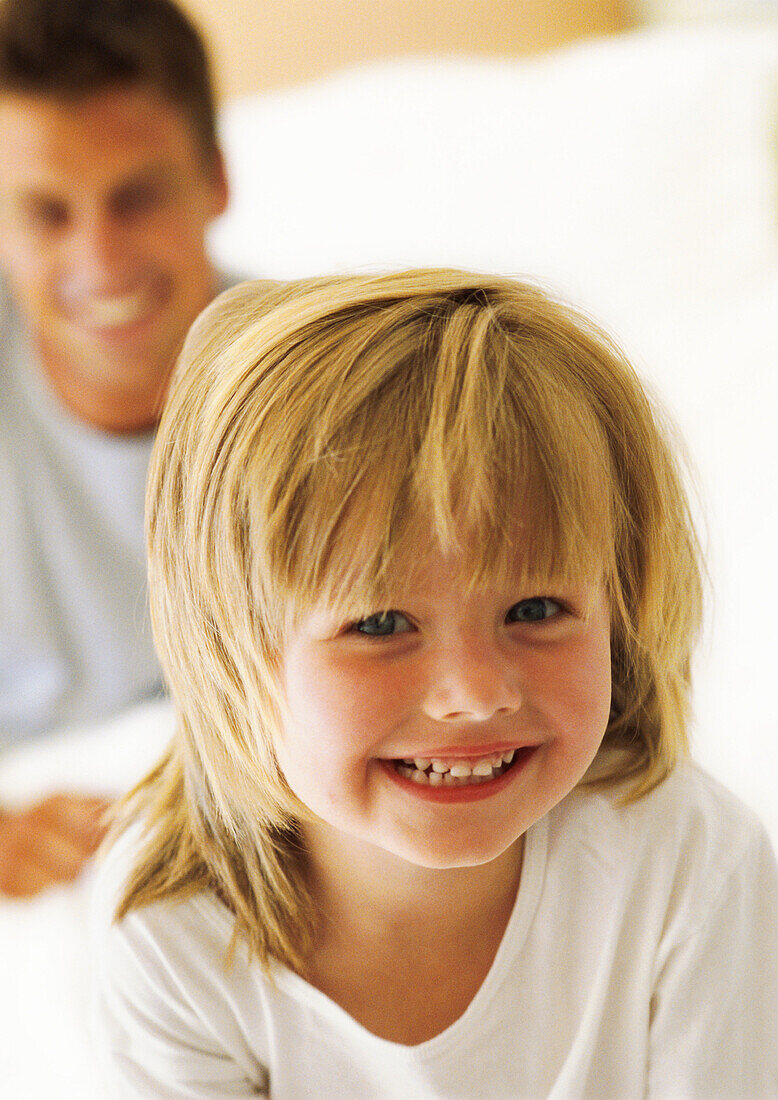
x=465 y=752
x=470 y=792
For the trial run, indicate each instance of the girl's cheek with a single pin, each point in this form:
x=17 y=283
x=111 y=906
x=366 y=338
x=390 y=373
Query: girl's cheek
x=573 y=683
x=336 y=697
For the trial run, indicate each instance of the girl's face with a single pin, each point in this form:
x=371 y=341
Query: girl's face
x=444 y=725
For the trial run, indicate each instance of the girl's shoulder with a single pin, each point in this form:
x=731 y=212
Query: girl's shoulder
x=169 y=1007
x=203 y=917
x=686 y=846
x=168 y=962
x=689 y=807
x=697 y=806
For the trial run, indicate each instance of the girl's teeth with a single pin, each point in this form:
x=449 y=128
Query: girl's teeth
x=437 y=773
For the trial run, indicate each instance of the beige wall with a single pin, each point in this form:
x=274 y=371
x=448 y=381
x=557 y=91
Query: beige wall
x=260 y=44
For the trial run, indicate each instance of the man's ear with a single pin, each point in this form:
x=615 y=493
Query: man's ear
x=220 y=183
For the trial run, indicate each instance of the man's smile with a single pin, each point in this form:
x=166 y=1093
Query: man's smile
x=108 y=312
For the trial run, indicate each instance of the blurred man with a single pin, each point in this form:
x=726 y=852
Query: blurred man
x=110 y=174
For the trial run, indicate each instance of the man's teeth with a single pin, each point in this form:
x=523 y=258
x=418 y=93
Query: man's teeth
x=122 y=310
x=455 y=773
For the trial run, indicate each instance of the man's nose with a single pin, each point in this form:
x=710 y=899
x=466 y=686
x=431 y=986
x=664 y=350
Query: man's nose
x=98 y=251
x=473 y=679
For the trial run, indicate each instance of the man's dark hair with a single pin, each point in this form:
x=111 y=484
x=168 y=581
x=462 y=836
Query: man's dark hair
x=74 y=48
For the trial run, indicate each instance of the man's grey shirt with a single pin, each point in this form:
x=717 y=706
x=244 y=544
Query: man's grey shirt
x=75 y=641
x=75 y=638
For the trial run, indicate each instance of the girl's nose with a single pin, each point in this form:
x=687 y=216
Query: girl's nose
x=472 y=682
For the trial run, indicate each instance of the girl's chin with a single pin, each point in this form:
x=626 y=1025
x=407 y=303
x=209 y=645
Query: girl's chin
x=463 y=859
x=456 y=849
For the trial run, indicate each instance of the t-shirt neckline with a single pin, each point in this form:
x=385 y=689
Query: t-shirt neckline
x=516 y=932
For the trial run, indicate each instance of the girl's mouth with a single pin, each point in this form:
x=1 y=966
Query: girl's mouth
x=452 y=772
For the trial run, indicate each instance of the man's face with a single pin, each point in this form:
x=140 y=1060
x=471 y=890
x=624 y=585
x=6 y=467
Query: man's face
x=104 y=204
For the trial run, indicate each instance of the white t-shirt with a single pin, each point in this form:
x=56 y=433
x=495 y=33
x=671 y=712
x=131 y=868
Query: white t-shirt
x=641 y=960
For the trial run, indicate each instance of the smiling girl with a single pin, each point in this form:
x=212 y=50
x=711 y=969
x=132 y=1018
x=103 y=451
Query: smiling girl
x=425 y=587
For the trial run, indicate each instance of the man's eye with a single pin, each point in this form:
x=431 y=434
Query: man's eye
x=383 y=624
x=534 y=610
x=47 y=214
x=136 y=200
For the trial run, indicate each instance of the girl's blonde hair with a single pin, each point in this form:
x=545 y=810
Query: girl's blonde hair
x=308 y=435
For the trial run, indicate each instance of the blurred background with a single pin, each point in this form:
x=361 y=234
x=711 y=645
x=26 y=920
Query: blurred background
x=263 y=44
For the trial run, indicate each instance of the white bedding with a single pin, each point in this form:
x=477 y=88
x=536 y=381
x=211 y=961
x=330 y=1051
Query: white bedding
x=637 y=176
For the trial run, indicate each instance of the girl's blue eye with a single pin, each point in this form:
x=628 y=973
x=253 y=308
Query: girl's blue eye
x=383 y=624
x=534 y=610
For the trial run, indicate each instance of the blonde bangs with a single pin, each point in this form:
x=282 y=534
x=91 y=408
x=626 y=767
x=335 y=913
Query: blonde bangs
x=443 y=432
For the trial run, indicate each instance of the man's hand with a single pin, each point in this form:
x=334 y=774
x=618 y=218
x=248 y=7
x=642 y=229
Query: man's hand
x=48 y=843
